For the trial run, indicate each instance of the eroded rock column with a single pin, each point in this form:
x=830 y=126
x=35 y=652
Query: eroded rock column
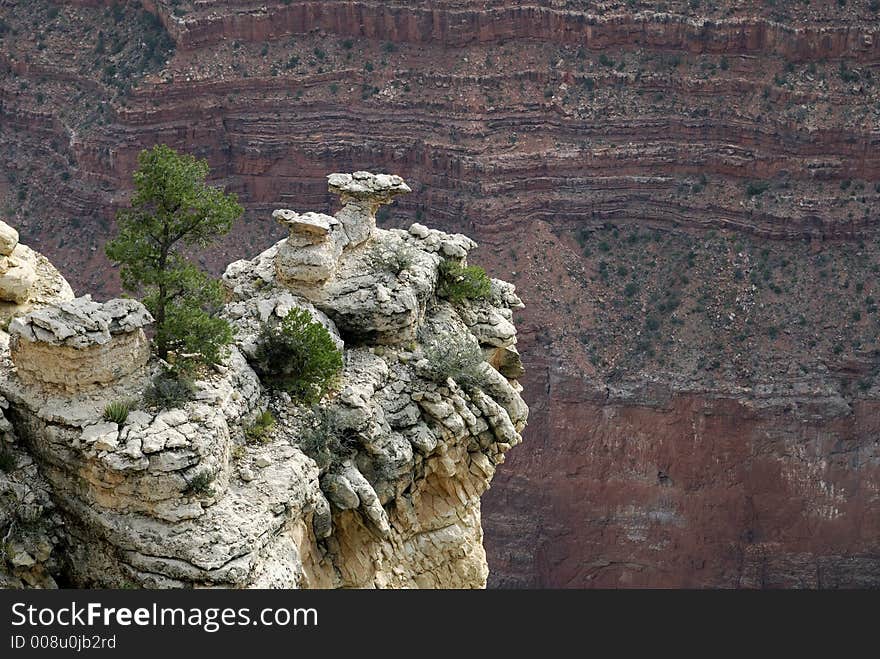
x=362 y=193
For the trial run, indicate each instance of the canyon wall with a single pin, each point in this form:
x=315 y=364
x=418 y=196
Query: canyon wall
x=684 y=194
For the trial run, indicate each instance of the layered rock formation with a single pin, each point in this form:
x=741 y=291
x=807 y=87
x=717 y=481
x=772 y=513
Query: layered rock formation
x=81 y=344
x=30 y=525
x=401 y=450
x=686 y=193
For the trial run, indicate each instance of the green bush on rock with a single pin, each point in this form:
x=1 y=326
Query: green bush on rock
x=456 y=359
x=117 y=411
x=169 y=389
x=459 y=282
x=298 y=355
x=324 y=441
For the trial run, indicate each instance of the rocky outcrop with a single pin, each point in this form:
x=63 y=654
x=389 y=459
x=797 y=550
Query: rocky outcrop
x=31 y=528
x=18 y=272
x=80 y=344
x=373 y=289
x=378 y=485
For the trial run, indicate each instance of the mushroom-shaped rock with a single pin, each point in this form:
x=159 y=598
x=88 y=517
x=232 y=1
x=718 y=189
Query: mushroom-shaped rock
x=312 y=249
x=309 y=228
x=365 y=186
x=81 y=344
x=362 y=193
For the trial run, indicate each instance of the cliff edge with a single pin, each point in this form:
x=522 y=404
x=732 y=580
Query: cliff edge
x=377 y=485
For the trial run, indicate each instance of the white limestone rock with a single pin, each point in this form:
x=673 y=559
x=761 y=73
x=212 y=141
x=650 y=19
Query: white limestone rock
x=31 y=282
x=8 y=239
x=81 y=344
x=362 y=193
x=187 y=497
x=17 y=277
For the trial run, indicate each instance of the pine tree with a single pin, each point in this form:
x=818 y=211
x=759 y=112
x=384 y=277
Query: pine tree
x=173 y=208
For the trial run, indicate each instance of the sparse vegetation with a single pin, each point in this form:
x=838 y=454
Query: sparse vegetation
x=169 y=389
x=757 y=188
x=117 y=411
x=200 y=484
x=460 y=360
x=393 y=261
x=260 y=430
x=458 y=282
x=323 y=440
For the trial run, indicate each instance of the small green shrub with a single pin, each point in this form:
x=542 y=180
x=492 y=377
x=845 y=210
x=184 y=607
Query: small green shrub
x=458 y=282
x=201 y=483
x=169 y=389
x=7 y=460
x=456 y=359
x=298 y=355
x=117 y=411
x=261 y=428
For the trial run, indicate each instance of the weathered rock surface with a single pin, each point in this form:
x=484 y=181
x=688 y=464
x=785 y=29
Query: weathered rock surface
x=8 y=239
x=81 y=344
x=188 y=497
x=27 y=279
x=29 y=523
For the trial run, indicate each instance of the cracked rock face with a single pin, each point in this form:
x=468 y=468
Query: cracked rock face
x=378 y=485
x=29 y=523
x=81 y=343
